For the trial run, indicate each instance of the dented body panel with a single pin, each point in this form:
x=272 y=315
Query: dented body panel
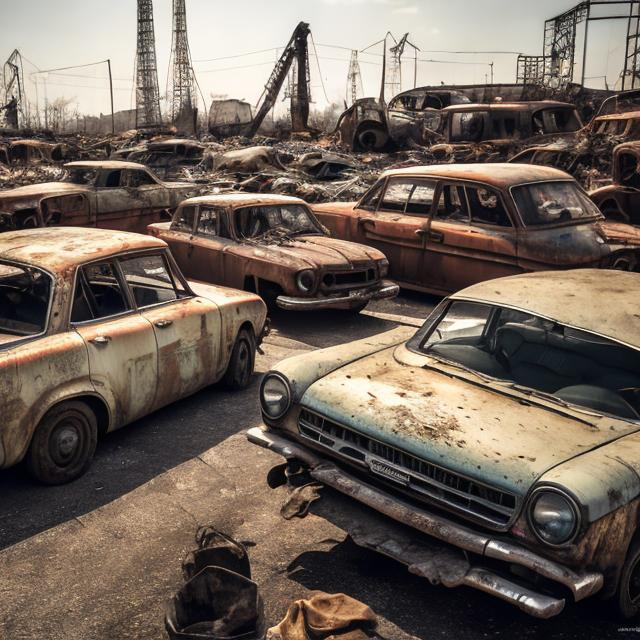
x=127 y=364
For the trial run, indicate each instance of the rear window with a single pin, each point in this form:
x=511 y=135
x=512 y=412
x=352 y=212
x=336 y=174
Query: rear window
x=25 y=295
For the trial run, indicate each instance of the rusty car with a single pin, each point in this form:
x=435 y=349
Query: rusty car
x=445 y=227
x=109 y=194
x=99 y=328
x=273 y=245
x=168 y=157
x=31 y=151
x=620 y=201
x=505 y=432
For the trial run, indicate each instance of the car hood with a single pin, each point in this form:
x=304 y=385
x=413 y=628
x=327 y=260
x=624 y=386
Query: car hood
x=496 y=437
x=618 y=233
x=334 y=207
x=318 y=252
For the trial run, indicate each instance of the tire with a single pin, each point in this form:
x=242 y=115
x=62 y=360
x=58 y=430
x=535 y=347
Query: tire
x=269 y=293
x=613 y=214
x=243 y=357
x=63 y=444
x=626 y=261
x=627 y=596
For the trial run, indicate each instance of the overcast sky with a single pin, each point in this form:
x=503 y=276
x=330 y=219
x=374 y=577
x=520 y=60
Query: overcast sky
x=60 y=33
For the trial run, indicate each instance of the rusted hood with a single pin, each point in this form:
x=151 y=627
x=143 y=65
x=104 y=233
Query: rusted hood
x=619 y=233
x=315 y=252
x=490 y=436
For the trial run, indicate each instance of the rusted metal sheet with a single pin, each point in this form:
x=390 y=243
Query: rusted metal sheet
x=341 y=274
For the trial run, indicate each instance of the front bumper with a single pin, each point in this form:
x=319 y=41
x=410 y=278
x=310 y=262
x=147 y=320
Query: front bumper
x=442 y=564
x=349 y=300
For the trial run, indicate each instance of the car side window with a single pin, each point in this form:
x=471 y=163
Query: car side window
x=486 y=207
x=136 y=178
x=372 y=198
x=149 y=279
x=98 y=293
x=421 y=197
x=110 y=179
x=208 y=222
x=397 y=194
x=184 y=219
x=452 y=205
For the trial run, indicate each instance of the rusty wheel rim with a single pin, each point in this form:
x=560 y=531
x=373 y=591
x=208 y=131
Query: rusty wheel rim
x=633 y=584
x=244 y=361
x=65 y=443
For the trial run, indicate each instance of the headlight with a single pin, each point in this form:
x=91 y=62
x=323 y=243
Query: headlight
x=553 y=516
x=305 y=280
x=275 y=396
x=383 y=267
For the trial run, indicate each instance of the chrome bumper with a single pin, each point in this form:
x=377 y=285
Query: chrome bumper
x=351 y=299
x=458 y=570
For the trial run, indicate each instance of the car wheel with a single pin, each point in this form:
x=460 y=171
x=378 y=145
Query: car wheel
x=625 y=262
x=627 y=595
x=63 y=444
x=243 y=356
x=612 y=212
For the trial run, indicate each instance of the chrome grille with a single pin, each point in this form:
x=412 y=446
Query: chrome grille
x=349 y=278
x=492 y=506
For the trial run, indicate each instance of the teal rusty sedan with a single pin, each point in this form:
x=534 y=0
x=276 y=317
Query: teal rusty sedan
x=505 y=432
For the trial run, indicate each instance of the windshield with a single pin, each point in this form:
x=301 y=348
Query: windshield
x=542 y=203
x=25 y=293
x=566 y=365
x=80 y=176
x=285 y=220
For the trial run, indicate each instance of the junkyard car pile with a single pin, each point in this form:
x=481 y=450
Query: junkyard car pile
x=504 y=432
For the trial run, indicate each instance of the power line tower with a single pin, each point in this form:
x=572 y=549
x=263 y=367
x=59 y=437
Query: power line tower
x=181 y=93
x=394 y=71
x=354 y=78
x=147 y=92
x=14 y=95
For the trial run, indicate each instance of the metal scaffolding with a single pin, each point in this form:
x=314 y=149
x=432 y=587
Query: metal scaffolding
x=354 y=79
x=181 y=92
x=147 y=92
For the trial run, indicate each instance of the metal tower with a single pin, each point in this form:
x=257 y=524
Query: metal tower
x=354 y=79
x=181 y=92
x=13 y=85
x=147 y=92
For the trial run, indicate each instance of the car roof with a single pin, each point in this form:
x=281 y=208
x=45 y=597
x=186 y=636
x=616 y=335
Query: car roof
x=172 y=141
x=600 y=301
x=32 y=143
x=242 y=199
x=511 y=106
x=626 y=115
x=104 y=164
x=58 y=248
x=498 y=174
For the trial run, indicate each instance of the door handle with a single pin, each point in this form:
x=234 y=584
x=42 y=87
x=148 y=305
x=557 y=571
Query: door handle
x=421 y=232
x=436 y=236
x=163 y=324
x=100 y=340
x=363 y=221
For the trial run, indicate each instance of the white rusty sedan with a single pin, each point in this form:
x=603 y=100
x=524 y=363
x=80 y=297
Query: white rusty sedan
x=507 y=427
x=99 y=328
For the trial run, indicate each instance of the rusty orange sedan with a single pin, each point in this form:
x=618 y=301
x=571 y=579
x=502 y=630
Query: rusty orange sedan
x=99 y=328
x=446 y=227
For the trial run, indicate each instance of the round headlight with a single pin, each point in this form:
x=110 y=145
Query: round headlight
x=554 y=517
x=383 y=267
x=275 y=396
x=305 y=280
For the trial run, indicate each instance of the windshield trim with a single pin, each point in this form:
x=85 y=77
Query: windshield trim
x=550 y=225
x=52 y=292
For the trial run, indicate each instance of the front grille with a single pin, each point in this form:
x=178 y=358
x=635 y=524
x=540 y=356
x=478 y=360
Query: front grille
x=347 y=278
x=492 y=506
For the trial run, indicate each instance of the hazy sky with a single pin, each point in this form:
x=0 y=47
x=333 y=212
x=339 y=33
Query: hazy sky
x=60 y=33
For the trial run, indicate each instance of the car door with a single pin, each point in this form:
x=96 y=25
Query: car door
x=123 y=356
x=187 y=328
x=150 y=197
x=398 y=225
x=115 y=208
x=208 y=245
x=471 y=237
